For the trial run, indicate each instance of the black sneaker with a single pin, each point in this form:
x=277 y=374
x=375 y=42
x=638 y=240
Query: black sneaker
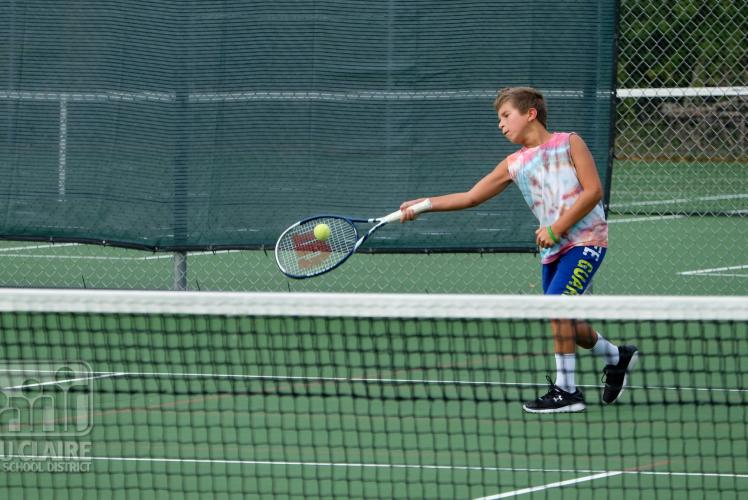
x=616 y=376
x=556 y=401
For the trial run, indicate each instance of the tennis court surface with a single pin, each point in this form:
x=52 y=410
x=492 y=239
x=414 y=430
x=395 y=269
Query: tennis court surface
x=112 y=394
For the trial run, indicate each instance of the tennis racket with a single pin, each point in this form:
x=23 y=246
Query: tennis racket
x=299 y=254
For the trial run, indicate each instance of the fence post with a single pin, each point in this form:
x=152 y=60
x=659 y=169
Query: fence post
x=180 y=271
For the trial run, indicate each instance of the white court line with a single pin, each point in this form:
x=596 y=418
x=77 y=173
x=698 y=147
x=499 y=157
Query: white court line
x=299 y=378
x=646 y=219
x=725 y=275
x=723 y=197
x=713 y=271
x=206 y=252
x=84 y=257
x=56 y=382
x=552 y=485
x=161 y=256
x=373 y=465
x=37 y=247
x=679 y=200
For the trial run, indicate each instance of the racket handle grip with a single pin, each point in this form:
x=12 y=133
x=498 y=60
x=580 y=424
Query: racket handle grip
x=420 y=207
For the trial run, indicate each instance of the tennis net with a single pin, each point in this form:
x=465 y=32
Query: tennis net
x=111 y=393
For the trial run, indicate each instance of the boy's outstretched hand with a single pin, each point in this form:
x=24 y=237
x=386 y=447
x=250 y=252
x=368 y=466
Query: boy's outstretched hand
x=408 y=214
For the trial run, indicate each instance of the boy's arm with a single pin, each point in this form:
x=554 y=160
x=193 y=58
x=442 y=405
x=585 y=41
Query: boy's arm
x=488 y=187
x=592 y=193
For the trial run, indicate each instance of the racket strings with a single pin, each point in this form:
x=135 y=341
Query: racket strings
x=300 y=253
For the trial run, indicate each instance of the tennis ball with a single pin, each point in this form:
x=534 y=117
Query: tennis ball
x=322 y=232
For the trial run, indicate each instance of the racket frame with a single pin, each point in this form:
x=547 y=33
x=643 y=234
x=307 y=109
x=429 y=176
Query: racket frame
x=378 y=223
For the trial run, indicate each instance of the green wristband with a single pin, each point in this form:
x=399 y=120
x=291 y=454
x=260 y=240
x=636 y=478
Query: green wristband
x=553 y=236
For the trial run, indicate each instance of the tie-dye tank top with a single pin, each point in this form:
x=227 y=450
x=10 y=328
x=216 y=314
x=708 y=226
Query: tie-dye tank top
x=548 y=181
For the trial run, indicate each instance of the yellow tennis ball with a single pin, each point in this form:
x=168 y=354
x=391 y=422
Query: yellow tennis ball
x=322 y=232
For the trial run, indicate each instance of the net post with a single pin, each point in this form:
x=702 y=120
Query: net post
x=180 y=271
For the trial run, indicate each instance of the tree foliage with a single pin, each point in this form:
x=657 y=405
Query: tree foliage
x=683 y=43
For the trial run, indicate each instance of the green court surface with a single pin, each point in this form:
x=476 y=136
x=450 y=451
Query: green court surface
x=680 y=187
x=322 y=408
x=184 y=415
x=660 y=255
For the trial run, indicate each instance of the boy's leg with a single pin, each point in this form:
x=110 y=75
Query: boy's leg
x=616 y=375
x=564 y=337
x=563 y=395
x=567 y=334
x=620 y=360
x=573 y=274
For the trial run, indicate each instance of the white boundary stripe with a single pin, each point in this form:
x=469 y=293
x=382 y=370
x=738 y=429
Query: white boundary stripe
x=363 y=95
x=714 y=270
x=372 y=305
x=112 y=95
x=255 y=95
x=299 y=378
x=680 y=200
x=646 y=219
x=372 y=95
x=56 y=382
x=552 y=485
x=85 y=257
x=37 y=247
x=163 y=256
x=374 y=465
x=725 y=275
x=117 y=95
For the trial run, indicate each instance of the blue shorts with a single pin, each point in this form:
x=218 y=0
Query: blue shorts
x=572 y=273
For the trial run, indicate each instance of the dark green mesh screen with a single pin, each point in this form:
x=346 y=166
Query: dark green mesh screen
x=178 y=124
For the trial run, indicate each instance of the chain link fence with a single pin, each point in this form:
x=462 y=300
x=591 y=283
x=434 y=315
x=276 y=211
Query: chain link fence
x=678 y=206
x=679 y=194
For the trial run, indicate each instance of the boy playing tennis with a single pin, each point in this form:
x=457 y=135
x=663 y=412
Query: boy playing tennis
x=558 y=179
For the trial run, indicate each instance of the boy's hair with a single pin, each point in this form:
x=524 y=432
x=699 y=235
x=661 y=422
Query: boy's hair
x=523 y=98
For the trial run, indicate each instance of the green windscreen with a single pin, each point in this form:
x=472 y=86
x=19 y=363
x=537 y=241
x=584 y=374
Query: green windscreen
x=216 y=124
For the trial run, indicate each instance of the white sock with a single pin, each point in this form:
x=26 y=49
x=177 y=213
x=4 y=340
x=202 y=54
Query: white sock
x=606 y=350
x=566 y=365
